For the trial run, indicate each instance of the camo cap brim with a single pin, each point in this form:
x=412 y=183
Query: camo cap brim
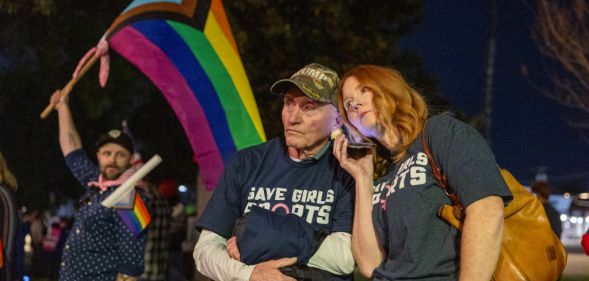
x=316 y=81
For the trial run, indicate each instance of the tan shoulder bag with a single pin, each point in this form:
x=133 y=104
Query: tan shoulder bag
x=530 y=249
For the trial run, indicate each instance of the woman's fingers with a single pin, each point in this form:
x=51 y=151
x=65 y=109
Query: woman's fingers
x=339 y=147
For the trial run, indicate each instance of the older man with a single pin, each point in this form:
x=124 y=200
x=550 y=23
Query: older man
x=294 y=174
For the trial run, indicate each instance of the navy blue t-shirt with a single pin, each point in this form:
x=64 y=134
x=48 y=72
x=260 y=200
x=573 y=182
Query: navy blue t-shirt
x=317 y=190
x=418 y=244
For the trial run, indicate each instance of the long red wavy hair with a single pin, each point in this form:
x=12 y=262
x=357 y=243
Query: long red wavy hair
x=399 y=106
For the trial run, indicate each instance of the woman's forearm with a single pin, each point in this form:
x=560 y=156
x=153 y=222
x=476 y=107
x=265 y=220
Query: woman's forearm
x=365 y=246
x=481 y=239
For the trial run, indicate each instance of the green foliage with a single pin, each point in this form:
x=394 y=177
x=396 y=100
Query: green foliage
x=44 y=7
x=42 y=40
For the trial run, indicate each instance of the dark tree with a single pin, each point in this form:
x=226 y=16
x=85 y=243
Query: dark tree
x=562 y=34
x=276 y=38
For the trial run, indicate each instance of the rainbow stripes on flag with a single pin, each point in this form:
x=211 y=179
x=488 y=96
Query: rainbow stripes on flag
x=186 y=48
x=134 y=215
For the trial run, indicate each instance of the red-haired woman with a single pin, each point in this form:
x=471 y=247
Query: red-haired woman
x=398 y=235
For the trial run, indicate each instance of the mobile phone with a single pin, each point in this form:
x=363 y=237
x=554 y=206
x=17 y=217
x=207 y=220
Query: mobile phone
x=356 y=150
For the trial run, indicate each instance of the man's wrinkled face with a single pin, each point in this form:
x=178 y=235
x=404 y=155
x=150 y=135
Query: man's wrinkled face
x=113 y=160
x=307 y=123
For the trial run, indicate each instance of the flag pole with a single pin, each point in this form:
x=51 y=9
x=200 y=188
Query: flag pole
x=70 y=85
x=130 y=183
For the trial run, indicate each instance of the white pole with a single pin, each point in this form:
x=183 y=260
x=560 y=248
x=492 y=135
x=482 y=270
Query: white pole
x=130 y=183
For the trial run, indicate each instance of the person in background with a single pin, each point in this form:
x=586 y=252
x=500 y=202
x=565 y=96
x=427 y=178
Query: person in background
x=401 y=237
x=51 y=246
x=37 y=230
x=169 y=190
x=18 y=256
x=158 y=237
x=585 y=242
x=9 y=215
x=542 y=189
x=101 y=246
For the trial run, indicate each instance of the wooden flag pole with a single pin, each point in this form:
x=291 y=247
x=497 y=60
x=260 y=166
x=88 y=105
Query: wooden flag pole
x=70 y=85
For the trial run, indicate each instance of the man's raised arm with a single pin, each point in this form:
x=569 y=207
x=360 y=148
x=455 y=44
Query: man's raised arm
x=69 y=139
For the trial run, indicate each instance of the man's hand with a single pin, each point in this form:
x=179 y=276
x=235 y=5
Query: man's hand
x=125 y=277
x=269 y=270
x=59 y=99
x=232 y=249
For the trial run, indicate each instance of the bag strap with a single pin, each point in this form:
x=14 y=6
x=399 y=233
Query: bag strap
x=438 y=174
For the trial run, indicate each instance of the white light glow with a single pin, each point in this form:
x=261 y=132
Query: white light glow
x=182 y=188
x=28 y=244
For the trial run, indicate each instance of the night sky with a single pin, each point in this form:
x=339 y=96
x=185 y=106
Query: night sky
x=529 y=130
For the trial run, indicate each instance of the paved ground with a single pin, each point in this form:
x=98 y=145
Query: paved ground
x=577 y=267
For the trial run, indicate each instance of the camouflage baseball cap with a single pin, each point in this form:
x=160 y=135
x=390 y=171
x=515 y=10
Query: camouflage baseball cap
x=316 y=81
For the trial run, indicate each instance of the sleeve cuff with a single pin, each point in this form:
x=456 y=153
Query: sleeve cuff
x=131 y=270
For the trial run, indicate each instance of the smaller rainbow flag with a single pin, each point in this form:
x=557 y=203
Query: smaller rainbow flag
x=135 y=216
